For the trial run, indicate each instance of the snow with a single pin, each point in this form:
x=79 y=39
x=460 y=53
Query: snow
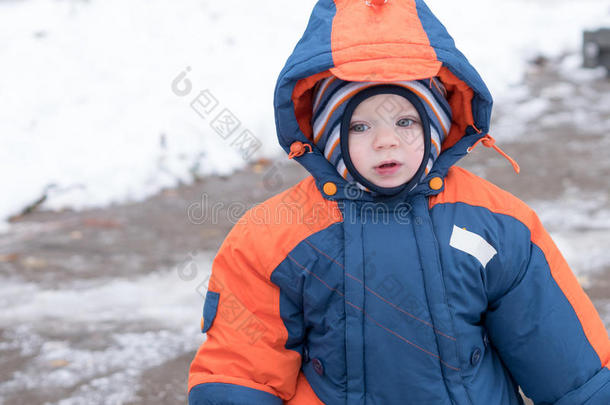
x=89 y=114
x=580 y=227
x=121 y=328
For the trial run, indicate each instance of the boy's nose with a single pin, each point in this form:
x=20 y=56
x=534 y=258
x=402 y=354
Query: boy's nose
x=385 y=138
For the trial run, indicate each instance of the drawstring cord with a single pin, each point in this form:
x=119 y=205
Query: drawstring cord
x=490 y=142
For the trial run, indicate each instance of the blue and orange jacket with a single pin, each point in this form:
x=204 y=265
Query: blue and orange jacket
x=454 y=295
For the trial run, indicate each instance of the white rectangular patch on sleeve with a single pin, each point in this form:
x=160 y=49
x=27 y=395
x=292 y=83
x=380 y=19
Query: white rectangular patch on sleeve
x=473 y=244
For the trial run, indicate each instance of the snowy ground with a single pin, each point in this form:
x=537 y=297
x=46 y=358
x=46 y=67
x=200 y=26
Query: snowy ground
x=102 y=306
x=89 y=114
x=90 y=342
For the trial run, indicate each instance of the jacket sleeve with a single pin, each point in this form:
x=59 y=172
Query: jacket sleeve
x=543 y=325
x=244 y=360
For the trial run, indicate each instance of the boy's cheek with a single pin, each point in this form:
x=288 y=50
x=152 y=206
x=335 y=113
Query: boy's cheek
x=414 y=138
x=358 y=153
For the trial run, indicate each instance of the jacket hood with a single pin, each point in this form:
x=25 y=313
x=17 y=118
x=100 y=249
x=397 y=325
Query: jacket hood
x=398 y=40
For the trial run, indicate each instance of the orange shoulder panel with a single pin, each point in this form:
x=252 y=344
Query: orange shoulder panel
x=246 y=344
x=283 y=221
x=466 y=187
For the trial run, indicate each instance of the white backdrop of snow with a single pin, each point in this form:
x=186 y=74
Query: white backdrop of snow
x=86 y=95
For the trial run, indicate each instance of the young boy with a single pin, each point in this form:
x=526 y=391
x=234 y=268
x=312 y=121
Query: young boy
x=390 y=275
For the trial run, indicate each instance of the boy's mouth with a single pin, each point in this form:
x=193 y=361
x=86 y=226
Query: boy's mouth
x=387 y=167
x=387 y=164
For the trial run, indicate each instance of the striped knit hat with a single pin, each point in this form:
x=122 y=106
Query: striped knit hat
x=331 y=96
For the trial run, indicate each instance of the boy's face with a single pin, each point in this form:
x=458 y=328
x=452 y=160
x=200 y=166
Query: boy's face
x=386 y=140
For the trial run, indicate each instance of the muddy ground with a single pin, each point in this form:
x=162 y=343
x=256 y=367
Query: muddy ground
x=562 y=148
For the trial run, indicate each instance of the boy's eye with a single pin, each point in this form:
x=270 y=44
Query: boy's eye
x=358 y=127
x=405 y=122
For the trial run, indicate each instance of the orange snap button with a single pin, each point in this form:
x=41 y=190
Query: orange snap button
x=330 y=188
x=436 y=183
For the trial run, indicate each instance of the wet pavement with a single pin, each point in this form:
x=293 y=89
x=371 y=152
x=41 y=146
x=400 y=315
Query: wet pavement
x=102 y=306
